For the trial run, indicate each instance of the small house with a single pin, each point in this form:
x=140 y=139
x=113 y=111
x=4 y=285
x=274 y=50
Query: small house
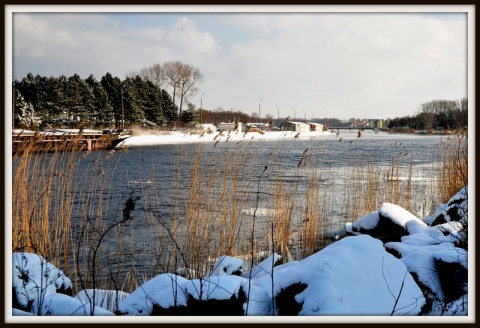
x=295 y=126
x=227 y=126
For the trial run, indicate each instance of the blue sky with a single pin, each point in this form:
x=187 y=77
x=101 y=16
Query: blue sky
x=375 y=64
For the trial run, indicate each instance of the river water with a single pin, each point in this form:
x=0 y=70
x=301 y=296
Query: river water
x=327 y=180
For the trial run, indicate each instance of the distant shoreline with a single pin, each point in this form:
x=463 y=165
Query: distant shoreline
x=426 y=132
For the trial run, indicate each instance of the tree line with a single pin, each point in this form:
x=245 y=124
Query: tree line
x=156 y=96
x=436 y=115
x=141 y=98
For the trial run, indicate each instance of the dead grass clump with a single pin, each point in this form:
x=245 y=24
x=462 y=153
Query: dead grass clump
x=453 y=166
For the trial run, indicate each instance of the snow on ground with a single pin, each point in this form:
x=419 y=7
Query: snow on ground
x=107 y=299
x=224 y=136
x=63 y=305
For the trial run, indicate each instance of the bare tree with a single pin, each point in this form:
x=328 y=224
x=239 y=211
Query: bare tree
x=181 y=78
x=462 y=112
x=172 y=76
x=426 y=120
x=189 y=77
x=154 y=74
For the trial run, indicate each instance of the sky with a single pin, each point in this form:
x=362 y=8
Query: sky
x=369 y=63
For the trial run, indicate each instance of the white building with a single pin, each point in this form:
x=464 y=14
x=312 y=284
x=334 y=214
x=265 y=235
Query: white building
x=296 y=126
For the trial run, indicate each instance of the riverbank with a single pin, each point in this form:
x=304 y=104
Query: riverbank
x=177 y=137
x=444 y=132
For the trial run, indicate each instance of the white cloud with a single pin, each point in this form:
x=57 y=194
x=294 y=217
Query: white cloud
x=185 y=35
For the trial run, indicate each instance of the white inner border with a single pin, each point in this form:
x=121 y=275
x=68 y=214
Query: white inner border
x=10 y=9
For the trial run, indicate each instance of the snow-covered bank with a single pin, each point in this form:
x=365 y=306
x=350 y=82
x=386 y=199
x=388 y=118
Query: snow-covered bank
x=391 y=264
x=224 y=136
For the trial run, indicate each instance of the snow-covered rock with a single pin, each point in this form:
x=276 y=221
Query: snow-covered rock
x=34 y=278
x=390 y=223
x=456 y=209
x=164 y=289
x=224 y=295
x=353 y=276
x=217 y=295
x=225 y=266
x=435 y=254
x=452 y=218
x=440 y=269
x=63 y=305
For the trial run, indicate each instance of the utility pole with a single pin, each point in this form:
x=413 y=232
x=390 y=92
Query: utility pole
x=259 y=119
x=123 y=112
x=201 y=107
x=278 y=116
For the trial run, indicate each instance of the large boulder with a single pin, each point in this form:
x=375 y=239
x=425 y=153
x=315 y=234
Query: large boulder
x=390 y=223
x=439 y=268
x=353 y=276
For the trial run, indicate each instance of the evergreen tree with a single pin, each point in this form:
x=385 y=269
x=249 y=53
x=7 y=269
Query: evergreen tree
x=102 y=111
x=113 y=86
x=190 y=116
